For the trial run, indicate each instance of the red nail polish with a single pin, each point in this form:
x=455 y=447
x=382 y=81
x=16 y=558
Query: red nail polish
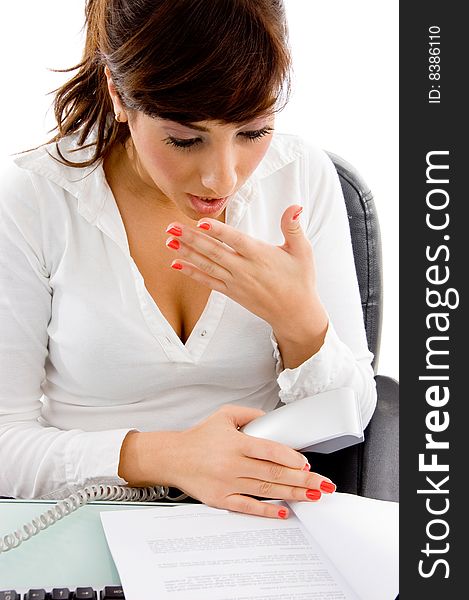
x=173 y=244
x=174 y=230
x=313 y=494
x=177 y=266
x=328 y=487
x=297 y=214
x=307 y=467
x=282 y=513
x=204 y=225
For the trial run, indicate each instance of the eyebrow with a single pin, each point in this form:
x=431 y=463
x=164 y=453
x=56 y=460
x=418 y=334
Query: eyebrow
x=193 y=126
x=206 y=130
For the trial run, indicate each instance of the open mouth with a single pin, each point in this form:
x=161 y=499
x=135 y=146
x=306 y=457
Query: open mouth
x=207 y=205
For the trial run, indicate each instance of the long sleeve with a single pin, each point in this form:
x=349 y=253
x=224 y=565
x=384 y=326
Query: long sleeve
x=36 y=460
x=344 y=360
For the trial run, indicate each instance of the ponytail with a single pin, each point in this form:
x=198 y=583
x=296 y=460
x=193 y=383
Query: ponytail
x=83 y=102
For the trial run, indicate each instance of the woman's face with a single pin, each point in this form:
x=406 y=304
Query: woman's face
x=196 y=167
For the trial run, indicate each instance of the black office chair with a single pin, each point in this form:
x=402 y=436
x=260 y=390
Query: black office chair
x=372 y=468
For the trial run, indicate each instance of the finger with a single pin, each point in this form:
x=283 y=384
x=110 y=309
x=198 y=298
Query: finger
x=295 y=240
x=270 y=472
x=218 y=252
x=274 y=452
x=291 y=219
x=242 y=243
x=189 y=270
x=240 y=415
x=201 y=261
x=250 y=506
x=268 y=489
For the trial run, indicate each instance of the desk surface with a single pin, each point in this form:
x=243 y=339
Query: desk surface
x=71 y=553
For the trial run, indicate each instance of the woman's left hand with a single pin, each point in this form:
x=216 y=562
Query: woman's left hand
x=276 y=283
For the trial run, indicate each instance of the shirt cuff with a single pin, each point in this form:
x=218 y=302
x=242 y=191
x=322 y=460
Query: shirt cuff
x=317 y=373
x=92 y=457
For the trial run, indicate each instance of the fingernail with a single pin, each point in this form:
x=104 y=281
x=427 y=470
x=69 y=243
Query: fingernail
x=297 y=214
x=328 y=487
x=204 y=225
x=313 y=494
x=177 y=266
x=307 y=467
x=174 y=230
x=173 y=244
x=282 y=513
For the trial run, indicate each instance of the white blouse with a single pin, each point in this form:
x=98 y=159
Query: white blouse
x=85 y=353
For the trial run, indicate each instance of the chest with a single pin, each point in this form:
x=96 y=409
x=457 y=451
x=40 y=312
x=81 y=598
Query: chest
x=180 y=299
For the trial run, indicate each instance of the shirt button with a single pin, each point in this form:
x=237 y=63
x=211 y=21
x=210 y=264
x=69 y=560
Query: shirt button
x=204 y=333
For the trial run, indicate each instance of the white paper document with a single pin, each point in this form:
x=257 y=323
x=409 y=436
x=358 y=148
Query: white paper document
x=361 y=537
x=200 y=553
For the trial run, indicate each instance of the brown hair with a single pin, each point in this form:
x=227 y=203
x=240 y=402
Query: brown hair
x=184 y=60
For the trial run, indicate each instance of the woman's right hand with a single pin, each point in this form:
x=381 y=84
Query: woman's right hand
x=222 y=467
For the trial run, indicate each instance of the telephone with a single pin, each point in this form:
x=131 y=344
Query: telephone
x=324 y=423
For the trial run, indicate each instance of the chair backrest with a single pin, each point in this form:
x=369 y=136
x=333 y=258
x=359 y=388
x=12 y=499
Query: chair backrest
x=366 y=242
x=345 y=467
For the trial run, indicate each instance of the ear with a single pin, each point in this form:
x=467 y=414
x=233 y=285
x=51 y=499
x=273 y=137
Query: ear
x=116 y=103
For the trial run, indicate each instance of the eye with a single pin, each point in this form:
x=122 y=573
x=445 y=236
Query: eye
x=185 y=144
x=256 y=135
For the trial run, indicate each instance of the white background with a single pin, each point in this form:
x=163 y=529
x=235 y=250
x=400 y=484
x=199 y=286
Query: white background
x=345 y=97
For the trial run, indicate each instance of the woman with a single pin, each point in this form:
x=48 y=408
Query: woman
x=171 y=268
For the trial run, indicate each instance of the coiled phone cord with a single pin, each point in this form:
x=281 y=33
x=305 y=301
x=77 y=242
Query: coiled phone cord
x=80 y=498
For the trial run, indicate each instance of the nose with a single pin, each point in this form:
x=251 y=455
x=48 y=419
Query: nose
x=218 y=175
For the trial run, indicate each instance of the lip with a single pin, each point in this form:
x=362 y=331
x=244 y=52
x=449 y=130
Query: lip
x=207 y=208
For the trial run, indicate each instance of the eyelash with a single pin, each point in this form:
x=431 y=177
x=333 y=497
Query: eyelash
x=251 y=136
